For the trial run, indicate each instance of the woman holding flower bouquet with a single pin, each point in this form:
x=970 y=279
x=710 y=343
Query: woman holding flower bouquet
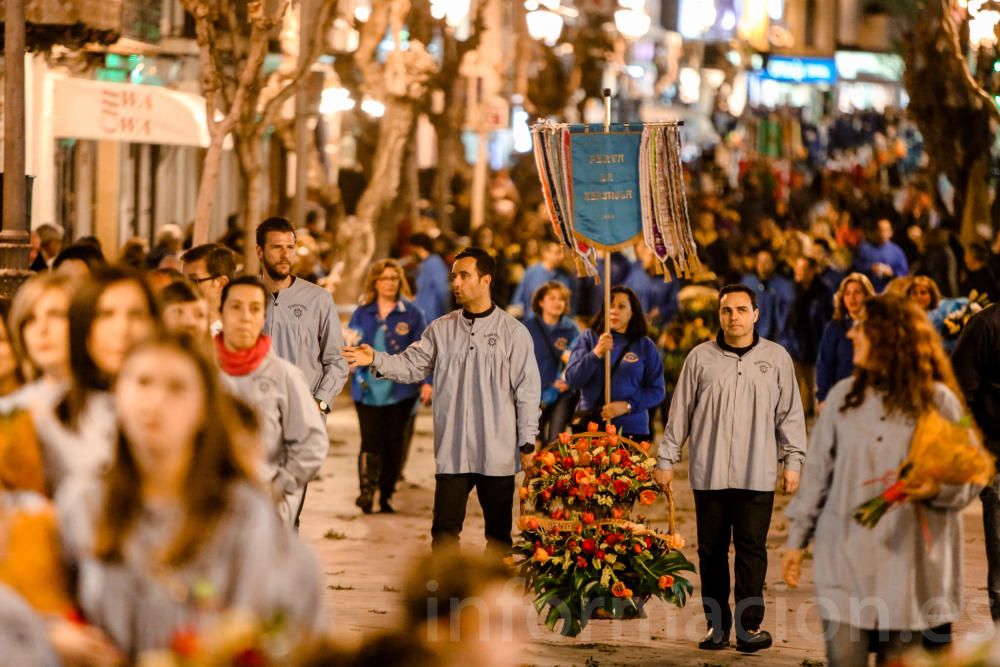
x=896 y=579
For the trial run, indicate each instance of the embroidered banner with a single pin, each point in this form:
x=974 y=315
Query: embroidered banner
x=607 y=206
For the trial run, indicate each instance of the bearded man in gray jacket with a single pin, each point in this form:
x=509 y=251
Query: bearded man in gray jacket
x=292 y=430
x=487 y=393
x=737 y=406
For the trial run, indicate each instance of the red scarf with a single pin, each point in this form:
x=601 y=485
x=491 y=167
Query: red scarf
x=245 y=361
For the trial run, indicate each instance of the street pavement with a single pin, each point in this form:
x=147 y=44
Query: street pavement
x=365 y=558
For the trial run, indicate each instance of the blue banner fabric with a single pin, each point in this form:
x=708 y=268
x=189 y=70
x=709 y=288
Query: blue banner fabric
x=607 y=211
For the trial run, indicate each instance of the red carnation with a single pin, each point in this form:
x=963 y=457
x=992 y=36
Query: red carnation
x=589 y=546
x=613 y=539
x=621 y=487
x=568 y=461
x=599 y=554
x=581 y=561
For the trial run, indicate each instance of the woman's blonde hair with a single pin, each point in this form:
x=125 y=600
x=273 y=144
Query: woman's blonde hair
x=369 y=295
x=860 y=279
x=905 y=358
x=22 y=311
x=930 y=285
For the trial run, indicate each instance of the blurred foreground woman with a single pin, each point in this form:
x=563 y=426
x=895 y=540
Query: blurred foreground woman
x=177 y=531
x=898 y=583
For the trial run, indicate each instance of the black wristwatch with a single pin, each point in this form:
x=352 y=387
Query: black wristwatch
x=324 y=407
x=527 y=449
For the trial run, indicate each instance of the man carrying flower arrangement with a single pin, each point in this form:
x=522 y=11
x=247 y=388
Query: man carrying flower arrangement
x=737 y=405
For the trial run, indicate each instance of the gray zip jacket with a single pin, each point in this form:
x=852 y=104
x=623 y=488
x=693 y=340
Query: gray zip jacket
x=304 y=328
x=741 y=416
x=893 y=576
x=292 y=428
x=486 y=389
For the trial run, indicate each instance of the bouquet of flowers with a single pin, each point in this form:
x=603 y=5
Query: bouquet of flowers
x=941 y=451
x=230 y=640
x=580 y=552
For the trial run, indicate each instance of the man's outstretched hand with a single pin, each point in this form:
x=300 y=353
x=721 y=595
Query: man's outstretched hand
x=358 y=357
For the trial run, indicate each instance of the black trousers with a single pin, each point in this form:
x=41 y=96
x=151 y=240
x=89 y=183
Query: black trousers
x=743 y=518
x=496 y=497
x=383 y=428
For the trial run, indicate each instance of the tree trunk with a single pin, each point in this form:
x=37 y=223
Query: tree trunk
x=248 y=151
x=976 y=204
x=206 y=191
x=383 y=187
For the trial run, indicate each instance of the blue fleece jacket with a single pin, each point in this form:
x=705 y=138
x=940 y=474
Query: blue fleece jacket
x=638 y=378
x=403 y=326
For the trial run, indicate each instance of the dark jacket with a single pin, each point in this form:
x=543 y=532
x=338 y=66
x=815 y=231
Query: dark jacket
x=403 y=326
x=976 y=359
x=836 y=357
x=811 y=312
x=550 y=344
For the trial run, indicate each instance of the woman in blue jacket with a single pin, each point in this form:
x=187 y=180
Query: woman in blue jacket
x=636 y=369
x=836 y=352
x=387 y=320
x=553 y=334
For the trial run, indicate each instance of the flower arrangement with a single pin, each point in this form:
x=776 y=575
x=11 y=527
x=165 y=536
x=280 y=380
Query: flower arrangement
x=579 y=550
x=230 y=640
x=941 y=451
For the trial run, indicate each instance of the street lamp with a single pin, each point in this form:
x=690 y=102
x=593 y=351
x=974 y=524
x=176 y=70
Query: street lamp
x=452 y=11
x=544 y=23
x=631 y=20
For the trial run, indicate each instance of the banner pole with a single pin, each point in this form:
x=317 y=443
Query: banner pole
x=607 y=272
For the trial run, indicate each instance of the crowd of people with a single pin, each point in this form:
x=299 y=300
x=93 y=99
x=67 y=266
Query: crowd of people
x=163 y=416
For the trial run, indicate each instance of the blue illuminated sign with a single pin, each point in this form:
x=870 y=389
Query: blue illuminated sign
x=800 y=70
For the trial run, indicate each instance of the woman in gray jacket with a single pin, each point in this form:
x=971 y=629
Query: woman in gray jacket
x=898 y=583
x=178 y=533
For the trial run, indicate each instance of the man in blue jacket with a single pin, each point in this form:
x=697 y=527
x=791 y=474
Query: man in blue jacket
x=775 y=295
x=658 y=297
x=536 y=275
x=432 y=281
x=882 y=260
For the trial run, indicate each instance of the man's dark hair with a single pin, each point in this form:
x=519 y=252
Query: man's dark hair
x=252 y=281
x=424 y=241
x=811 y=262
x=736 y=287
x=88 y=254
x=219 y=260
x=274 y=224
x=636 y=328
x=485 y=264
x=979 y=250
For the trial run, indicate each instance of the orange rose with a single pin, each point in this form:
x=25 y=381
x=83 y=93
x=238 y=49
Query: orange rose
x=618 y=590
x=592 y=427
x=523 y=492
x=617 y=512
x=611 y=430
x=644 y=446
x=548 y=458
x=565 y=438
x=616 y=458
x=666 y=581
x=647 y=497
x=582 y=445
x=541 y=555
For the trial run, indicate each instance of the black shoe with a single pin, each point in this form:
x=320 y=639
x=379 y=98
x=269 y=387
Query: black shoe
x=385 y=507
x=365 y=502
x=754 y=641
x=714 y=641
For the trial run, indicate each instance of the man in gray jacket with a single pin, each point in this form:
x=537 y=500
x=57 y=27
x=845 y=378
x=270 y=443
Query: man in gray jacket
x=292 y=430
x=487 y=393
x=737 y=405
x=302 y=319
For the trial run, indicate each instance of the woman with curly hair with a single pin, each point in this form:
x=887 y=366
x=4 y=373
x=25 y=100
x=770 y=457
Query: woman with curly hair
x=906 y=589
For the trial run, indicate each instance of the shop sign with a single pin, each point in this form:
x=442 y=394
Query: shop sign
x=800 y=70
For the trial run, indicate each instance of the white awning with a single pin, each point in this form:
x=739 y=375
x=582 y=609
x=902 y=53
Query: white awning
x=102 y=111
